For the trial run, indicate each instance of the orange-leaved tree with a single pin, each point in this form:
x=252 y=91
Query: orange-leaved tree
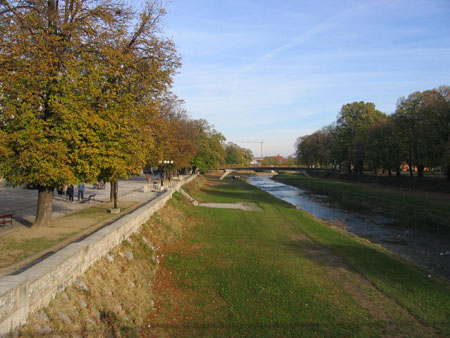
x=72 y=91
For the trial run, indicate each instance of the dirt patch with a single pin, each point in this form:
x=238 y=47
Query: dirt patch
x=212 y=183
x=241 y=206
x=214 y=173
x=116 y=294
x=366 y=294
x=177 y=309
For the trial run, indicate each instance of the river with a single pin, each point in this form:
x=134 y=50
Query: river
x=430 y=250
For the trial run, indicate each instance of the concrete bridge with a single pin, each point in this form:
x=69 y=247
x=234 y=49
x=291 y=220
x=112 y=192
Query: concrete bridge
x=273 y=167
x=229 y=170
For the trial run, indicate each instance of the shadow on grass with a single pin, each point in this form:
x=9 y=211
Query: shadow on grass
x=426 y=298
x=219 y=329
x=376 y=265
x=23 y=221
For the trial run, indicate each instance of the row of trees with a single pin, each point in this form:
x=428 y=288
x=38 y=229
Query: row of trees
x=417 y=135
x=237 y=155
x=85 y=96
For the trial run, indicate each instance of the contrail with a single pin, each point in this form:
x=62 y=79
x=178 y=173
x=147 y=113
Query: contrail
x=319 y=28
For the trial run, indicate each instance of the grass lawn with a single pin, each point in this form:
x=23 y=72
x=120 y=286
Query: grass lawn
x=280 y=273
x=23 y=245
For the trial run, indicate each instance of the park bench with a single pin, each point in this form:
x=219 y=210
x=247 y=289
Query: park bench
x=156 y=185
x=90 y=198
x=5 y=219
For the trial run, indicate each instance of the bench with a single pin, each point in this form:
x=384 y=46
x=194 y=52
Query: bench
x=89 y=199
x=156 y=185
x=5 y=219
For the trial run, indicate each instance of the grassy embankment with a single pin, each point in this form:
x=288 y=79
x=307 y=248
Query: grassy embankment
x=270 y=273
x=278 y=272
x=117 y=294
x=411 y=207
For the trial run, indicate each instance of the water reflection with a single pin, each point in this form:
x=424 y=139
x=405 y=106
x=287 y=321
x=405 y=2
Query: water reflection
x=429 y=249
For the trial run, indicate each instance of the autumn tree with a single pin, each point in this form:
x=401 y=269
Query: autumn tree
x=176 y=136
x=75 y=84
x=47 y=130
x=137 y=67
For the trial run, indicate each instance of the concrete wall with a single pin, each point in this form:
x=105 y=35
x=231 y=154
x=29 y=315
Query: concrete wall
x=36 y=287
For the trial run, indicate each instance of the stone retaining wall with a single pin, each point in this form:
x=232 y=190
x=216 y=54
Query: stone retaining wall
x=34 y=288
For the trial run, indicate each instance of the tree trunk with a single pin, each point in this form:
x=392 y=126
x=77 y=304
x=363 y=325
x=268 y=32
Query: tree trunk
x=116 y=190
x=349 y=168
x=111 y=193
x=420 y=169
x=410 y=166
x=44 y=206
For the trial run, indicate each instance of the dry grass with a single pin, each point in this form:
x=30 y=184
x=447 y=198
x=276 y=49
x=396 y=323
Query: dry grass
x=120 y=291
x=20 y=246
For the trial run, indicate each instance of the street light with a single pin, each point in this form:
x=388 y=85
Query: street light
x=165 y=164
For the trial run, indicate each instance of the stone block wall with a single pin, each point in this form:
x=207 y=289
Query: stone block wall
x=35 y=287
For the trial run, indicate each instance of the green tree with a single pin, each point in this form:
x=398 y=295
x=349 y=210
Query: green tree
x=445 y=128
x=211 y=149
x=352 y=123
x=237 y=155
x=423 y=120
x=315 y=149
x=382 y=146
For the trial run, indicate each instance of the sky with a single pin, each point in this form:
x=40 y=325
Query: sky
x=275 y=70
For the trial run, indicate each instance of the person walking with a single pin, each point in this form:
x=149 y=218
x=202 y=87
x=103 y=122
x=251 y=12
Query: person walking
x=70 y=192
x=81 y=192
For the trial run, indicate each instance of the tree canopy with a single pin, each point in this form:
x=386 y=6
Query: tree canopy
x=416 y=134
x=81 y=83
x=237 y=155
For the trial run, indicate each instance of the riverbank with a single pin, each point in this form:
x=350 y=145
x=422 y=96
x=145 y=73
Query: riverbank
x=430 y=182
x=278 y=272
x=228 y=272
x=413 y=208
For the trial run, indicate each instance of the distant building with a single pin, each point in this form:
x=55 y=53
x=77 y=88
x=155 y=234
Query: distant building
x=256 y=161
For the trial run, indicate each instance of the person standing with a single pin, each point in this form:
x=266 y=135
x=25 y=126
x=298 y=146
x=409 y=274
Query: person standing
x=161 y=176
x=70 y=192
x=81 y=192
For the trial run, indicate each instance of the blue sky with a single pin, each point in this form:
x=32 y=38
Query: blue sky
x=276 y=70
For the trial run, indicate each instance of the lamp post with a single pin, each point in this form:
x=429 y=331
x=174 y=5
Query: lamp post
x=165 y=164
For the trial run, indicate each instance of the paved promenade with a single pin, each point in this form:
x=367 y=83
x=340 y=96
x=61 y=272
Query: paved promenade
x=23 y=202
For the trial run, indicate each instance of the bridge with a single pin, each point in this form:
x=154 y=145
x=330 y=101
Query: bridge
x=273 y=167
x=230 y=169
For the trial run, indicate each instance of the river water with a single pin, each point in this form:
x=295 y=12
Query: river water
x=430 y=250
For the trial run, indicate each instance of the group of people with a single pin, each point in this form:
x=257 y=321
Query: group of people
x=71 y=190
x=99 y=185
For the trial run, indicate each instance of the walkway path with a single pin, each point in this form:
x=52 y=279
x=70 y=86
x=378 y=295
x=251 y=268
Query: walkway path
x=22 y=202
x=240 y=205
